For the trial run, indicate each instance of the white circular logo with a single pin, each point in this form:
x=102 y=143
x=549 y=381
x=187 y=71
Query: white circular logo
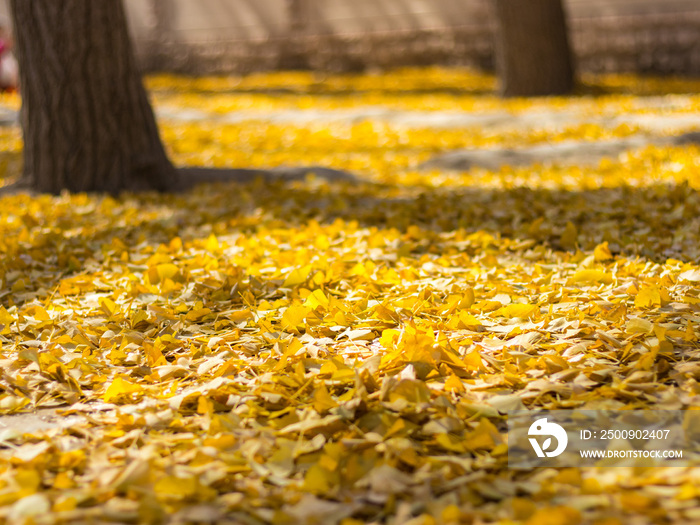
x=542 y=428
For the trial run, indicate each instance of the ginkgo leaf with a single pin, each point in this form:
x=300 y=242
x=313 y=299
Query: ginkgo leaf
x=323 y=400
x=118 y=388
x=317 y=298
x=636 y=325
x=591 y=277
x=5 y=316
x=294 y=316
x=297 y=276
x=518 y=310
x=166 y=271
x=692 y=276
x=212 y=244
x=602 y=252
x=647 y=297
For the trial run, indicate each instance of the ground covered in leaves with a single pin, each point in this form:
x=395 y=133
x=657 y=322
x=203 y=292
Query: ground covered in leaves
x=336 y=352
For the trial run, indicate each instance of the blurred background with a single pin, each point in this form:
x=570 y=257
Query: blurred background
x=241 y=36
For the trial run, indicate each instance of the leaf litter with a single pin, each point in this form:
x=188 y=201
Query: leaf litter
x=316 y=352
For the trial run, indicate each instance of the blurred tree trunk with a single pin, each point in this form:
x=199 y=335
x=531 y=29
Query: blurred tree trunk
x=294 y=54
x=164 y=12
x=163 y=15
x=533 y=52
x=86 y=119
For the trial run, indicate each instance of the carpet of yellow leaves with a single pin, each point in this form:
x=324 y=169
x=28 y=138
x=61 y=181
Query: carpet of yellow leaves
x=316 y=352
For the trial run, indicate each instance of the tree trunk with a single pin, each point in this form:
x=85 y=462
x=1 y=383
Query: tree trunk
x=533 y=55
x=86 y=119
x=294 y=54
x=164 y=13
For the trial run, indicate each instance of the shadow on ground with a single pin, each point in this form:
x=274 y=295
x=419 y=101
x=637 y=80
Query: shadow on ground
x=657 y=222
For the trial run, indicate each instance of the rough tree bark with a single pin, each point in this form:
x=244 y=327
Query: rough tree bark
x=533 y=51
x=86 y=119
